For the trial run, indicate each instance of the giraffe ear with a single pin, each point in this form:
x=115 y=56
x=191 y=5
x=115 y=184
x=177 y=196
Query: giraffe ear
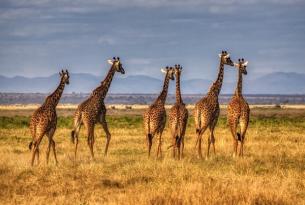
x=245 y=63
x=219 y=55
x=110 y=62
x=163 y=70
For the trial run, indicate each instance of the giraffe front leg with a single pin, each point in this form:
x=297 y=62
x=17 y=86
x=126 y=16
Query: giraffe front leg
x=37 y=155
x=108 y=136
x=50 y=138
x=48 y=152
x=54 y=151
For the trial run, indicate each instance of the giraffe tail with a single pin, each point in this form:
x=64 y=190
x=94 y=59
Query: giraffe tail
x=149 y=138
x=178 y=140
x=30 y=145
x=170 y=146
x=72 y=136
x=238 y=136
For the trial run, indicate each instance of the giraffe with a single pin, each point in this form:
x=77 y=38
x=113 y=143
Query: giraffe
x=178 y=116
x=44 y=120
x=93 y=110
x=154 y=117
x=207 y=110
x=238 y=111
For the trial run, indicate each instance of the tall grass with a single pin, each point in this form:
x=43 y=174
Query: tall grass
x=272 y=171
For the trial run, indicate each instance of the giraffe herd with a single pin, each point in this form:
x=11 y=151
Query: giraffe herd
x=93 y=111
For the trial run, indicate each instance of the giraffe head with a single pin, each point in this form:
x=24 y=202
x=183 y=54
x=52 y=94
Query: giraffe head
x=225 y=58
x=178 y=70
x=169 y=71
x=242 y=65
x=64 y=76
x=116 y=64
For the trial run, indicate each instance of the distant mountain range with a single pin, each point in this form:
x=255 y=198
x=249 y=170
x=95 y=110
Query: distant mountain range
x=274 y=83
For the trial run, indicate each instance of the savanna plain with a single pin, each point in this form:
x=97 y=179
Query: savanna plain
x=271 y=172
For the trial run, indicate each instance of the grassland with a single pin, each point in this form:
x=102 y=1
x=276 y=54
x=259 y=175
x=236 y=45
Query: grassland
x=272 y=171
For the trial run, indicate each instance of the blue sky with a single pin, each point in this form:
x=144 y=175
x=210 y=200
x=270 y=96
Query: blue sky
x=38 y=37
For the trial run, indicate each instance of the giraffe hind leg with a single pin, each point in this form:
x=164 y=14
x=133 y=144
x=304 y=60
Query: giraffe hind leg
x=159 y=151
x=75 y=134
x=243 y=130
x=212 y=128
x=199 y=140
x=90 y=132
x=179 y=142
x=35 y=150
x=233 y=129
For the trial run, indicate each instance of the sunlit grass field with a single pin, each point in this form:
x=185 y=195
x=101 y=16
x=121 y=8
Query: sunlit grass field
x=272 y=171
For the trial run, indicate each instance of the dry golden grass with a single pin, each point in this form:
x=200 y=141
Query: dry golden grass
x=272 y=171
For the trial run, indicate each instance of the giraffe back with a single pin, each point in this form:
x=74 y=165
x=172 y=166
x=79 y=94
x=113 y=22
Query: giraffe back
x=238 y=107
x=206 y=110
x=178 y=116
x=154 y=119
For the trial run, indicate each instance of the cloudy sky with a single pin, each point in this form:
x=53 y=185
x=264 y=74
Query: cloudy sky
x=38 y=37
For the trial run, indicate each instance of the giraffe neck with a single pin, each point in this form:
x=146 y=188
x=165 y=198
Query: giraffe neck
x=239 y=87
x=178 y=91
x=53 y=99
x=101 y=91
x=162 y=97
x=216 y=87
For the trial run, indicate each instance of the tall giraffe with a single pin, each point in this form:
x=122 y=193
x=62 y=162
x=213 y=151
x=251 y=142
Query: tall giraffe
x=178 y=116
x=238 y=111
x=44 y=120
x=93 y=110
x=207 y=110
x=154 y=117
